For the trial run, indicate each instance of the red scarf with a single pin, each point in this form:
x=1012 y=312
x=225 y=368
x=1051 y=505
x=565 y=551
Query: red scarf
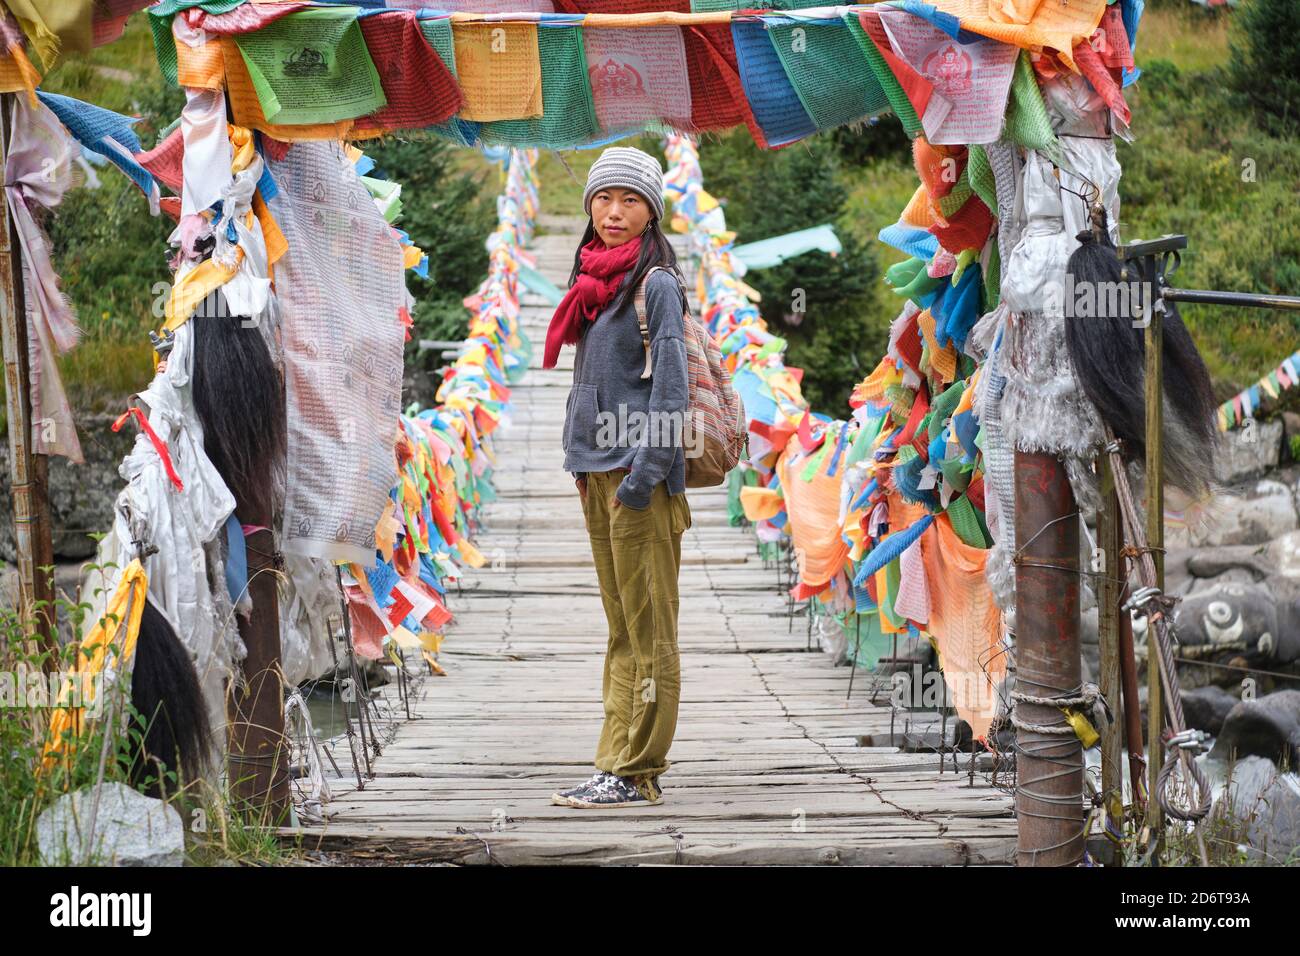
x=600 y=270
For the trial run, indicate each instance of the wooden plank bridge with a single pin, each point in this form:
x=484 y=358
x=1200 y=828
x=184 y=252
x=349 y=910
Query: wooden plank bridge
x=768 y=766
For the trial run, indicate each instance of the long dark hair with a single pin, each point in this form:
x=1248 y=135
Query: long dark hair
x=1109 y=357
x=240 y=403
x=656 y=250
x=171 y=717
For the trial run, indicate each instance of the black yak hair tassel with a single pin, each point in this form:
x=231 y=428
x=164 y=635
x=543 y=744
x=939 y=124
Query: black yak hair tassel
x=1109 y=358
x=240 y=403
x=165 y=692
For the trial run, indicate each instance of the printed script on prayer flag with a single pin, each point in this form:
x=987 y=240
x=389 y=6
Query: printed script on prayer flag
x=638 y=76
x=312 y=67
x=970 y=80
x=340 y=287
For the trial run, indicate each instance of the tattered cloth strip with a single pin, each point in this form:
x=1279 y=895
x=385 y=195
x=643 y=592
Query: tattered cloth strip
x=107 y=133
x=771 y=96
x=902 y=86
x=110 y=18
x=200 y=58
x=54 y=28
x=715 y=100
x=341 y=290
x=1029 y=24
x=638 y=77
x=16 y=71
x=813 y=502
x=437 y=33
x=243 y=19
x=206 y=154
x=107 y=647
x=1027 y=122
x=247 y=109
x=38 y=171
x=966 y=624
x=970 y=81
x=717 y=95
x=161 y=17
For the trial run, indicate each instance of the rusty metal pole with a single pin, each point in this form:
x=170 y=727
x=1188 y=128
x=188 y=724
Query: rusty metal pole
x=28 y=473
x=1049 y=766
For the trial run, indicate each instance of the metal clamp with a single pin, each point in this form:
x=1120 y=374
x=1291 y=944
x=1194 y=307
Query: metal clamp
x=1189 y=739
x=1141 y=597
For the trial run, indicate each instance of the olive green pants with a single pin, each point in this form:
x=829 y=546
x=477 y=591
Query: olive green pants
x=638 y=554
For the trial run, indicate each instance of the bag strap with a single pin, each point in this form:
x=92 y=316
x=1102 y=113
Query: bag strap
x=639 y=303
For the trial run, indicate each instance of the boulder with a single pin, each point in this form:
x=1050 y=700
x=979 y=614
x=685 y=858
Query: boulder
x=1262 y=807
x=1273 y=833
x=130 y=830
x=1245 y=781
x=1251 y=451
x=1266 y=727
x=1261 y=512
x=1205 y=708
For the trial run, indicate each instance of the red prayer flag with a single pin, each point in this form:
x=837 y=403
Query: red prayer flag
x=418 y=86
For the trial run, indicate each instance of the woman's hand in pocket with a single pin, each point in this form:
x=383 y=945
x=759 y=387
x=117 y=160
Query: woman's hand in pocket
x=582 y=488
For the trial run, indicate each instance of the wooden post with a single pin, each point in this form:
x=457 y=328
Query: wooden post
x=1109 y=540
x=28 y=473
x=1049 y=767
x=259 y=751
x=1155 y=520
x=1132 y=706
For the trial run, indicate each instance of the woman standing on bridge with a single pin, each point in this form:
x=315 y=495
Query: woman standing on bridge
x=623 y=443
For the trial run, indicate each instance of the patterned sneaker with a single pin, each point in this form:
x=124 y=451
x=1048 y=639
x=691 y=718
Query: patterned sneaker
x=561 y=797
x=615 y=791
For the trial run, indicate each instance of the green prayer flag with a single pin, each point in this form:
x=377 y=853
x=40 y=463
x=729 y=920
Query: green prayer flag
x=1028 y=124
x=885 y=78
x=312 y=67
x=828 y=72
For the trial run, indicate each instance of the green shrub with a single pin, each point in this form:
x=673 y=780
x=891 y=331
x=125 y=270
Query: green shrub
x=837 y=340
x=1265 y=43
x=1201 y=166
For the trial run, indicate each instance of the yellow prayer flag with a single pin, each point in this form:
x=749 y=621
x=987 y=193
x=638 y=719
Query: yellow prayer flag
x=499 y=70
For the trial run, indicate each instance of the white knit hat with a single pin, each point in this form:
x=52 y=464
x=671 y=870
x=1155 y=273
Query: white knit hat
x=630 y=168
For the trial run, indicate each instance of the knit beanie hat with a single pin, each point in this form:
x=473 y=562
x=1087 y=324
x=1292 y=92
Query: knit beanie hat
x=629 y=168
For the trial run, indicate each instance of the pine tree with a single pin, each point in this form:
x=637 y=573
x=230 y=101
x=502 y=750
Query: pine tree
x=768 y=193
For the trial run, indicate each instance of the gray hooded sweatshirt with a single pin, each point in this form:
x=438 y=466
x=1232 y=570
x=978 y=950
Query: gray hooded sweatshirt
x=616 y=419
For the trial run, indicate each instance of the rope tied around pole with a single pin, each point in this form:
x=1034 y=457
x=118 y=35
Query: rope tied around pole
x=1088 y=701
